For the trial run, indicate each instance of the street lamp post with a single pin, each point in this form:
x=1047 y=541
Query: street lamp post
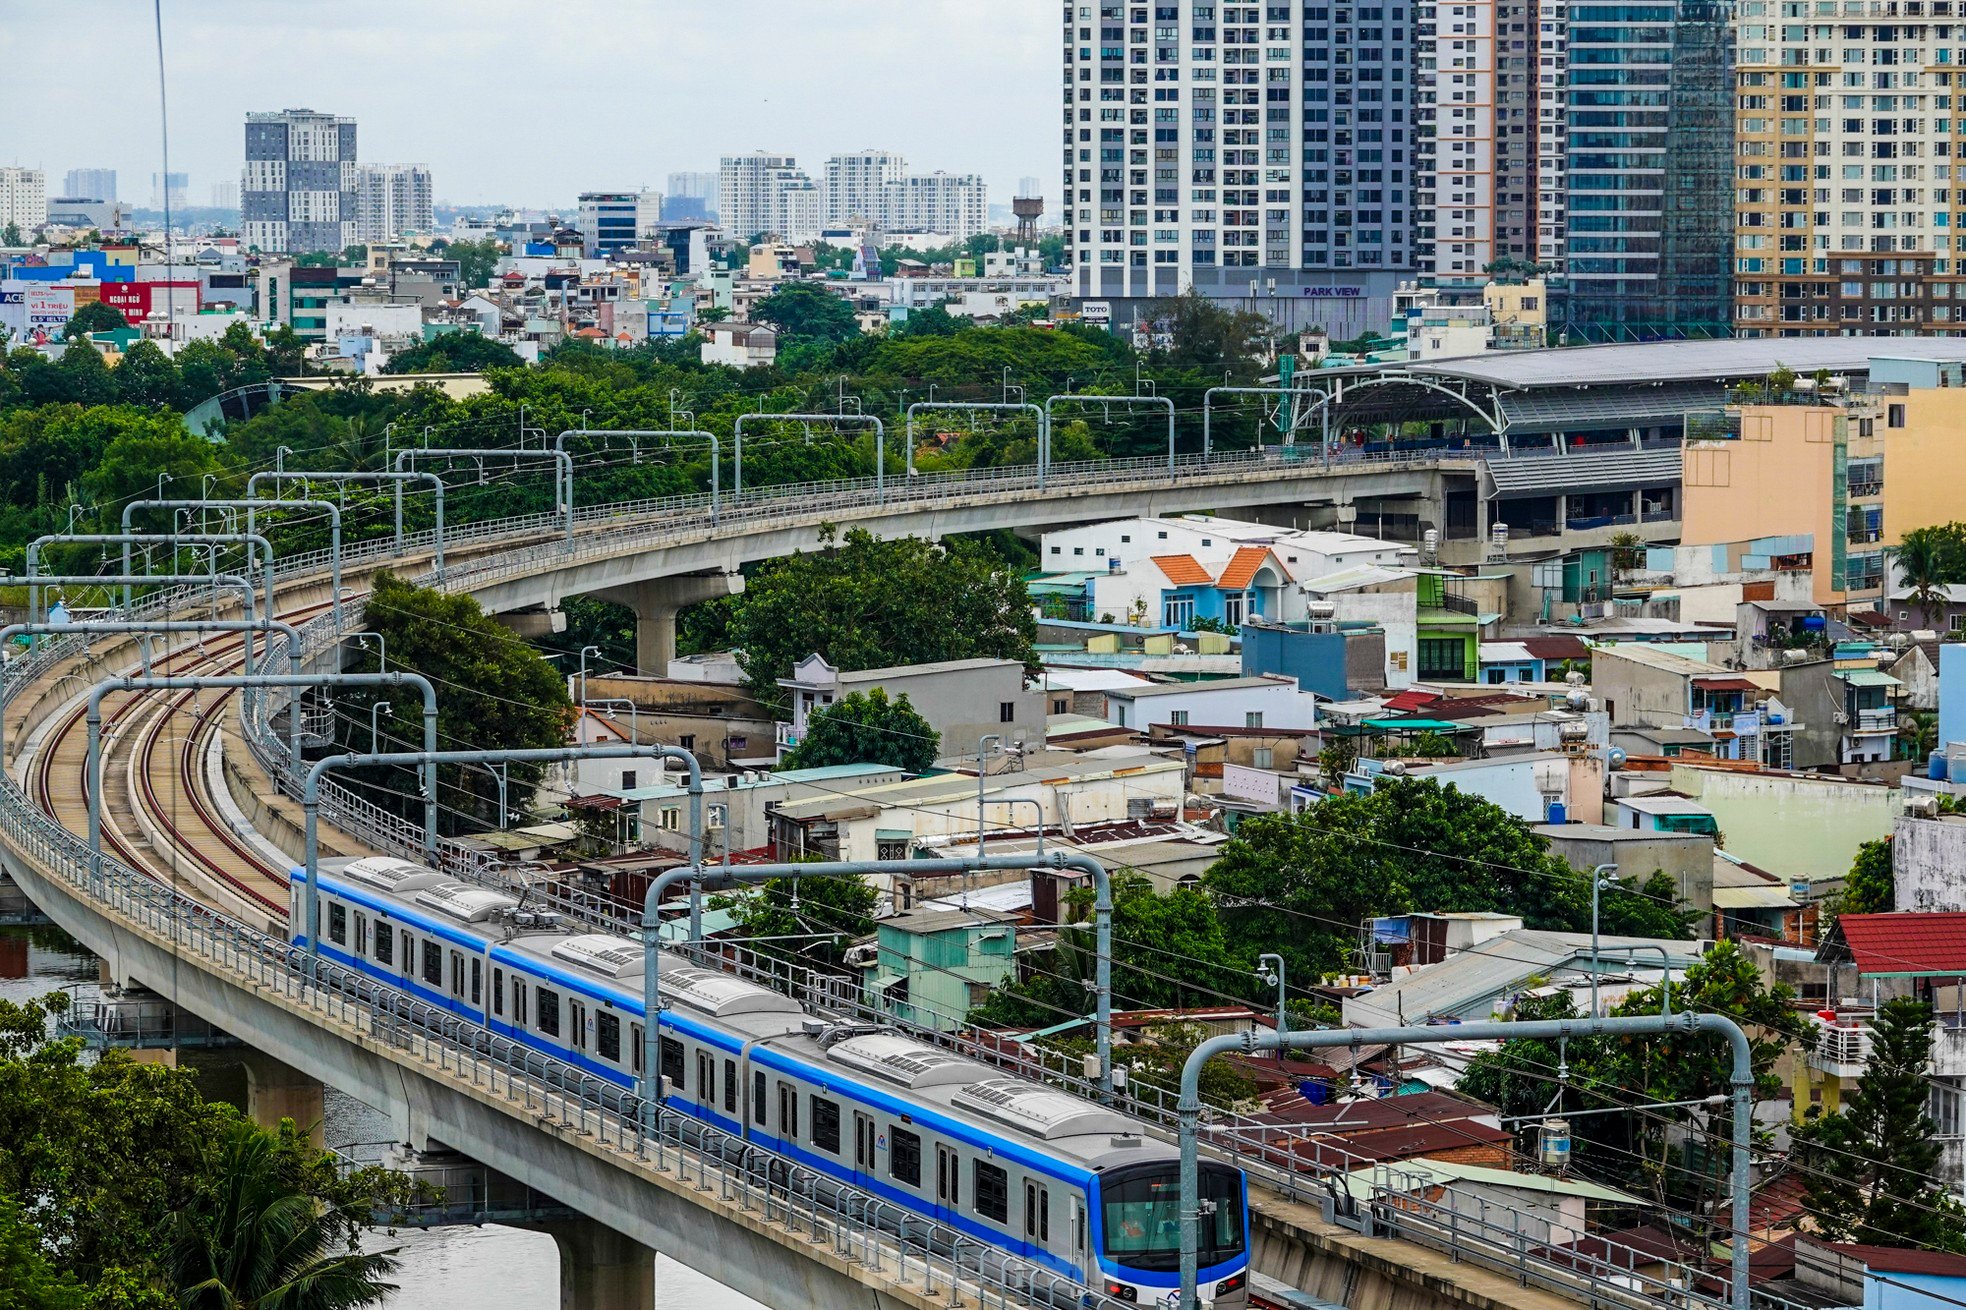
x=1269 y=967
x=583 y=672
x=1603 y=876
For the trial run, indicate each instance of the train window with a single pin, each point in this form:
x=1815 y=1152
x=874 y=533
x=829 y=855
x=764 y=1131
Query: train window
x=826 y=1124
x=992 y=1192
x=337 y=923
x=408 y=952
x=498 y=991
x=671 y=1064
x=635 y=1047
x=607 y=1036
x=457 y=974
x=577 y=1024
x=730 y=1087
x=863 y=1142
x=433 y=963
x=361 y=933
x=757 y=1098
x=904 y=1157
x=519 y=1001
x=549 y=1012
x=788 y=1111
x=477 y=979
x=1078 y=1224
x=1044 y=1214
x=385 y=944
x=706 y=1078
x=948 y=1177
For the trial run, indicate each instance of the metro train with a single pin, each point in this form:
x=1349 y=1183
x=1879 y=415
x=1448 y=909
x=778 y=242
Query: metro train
x=1023 y=1169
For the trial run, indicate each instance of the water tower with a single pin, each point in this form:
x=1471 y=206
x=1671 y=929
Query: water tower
x=1027 y=209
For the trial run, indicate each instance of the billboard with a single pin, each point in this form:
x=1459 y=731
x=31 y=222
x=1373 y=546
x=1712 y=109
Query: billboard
x=46 y=310
x=136 y=300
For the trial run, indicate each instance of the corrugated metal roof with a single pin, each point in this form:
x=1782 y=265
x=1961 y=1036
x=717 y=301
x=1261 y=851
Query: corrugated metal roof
x=1580 y=471
x=1868 y=678
x=1668 y=361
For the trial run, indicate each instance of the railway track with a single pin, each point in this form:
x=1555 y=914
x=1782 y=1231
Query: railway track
x=158 y=811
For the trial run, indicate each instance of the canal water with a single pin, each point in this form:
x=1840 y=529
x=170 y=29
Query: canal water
x=442 y=1268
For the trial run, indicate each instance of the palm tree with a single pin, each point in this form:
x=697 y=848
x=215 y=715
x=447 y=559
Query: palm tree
x=1918 y=732
x=256 y=1241
x=1925 y=562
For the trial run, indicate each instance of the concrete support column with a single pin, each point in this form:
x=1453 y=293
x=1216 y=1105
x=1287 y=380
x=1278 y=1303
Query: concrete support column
x=276 y=1091
x=656 y=604
x=599 y=1268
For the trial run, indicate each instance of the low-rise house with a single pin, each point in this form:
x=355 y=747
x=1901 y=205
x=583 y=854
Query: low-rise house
x=1685 y=857
x=886 y=821
x=1534 y=787
x=1664 y=812
x=1261 y=702
x=1432 y=633
x=1333 y=660
x=1484 y=980
x=963 y=700
x=1805 y=826
x=1880 y=1277
x=739 y=345
x=1643 y=686
x=737 y=805
x=932 y=966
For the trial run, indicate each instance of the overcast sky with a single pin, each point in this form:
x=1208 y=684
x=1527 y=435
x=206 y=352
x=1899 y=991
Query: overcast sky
x=533 y=101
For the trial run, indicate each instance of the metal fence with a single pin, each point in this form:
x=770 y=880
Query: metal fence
x=1405 y=1205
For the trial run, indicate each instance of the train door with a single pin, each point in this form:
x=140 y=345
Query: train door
x=863 y=1150
x=577 y=1024
x=948 y=1179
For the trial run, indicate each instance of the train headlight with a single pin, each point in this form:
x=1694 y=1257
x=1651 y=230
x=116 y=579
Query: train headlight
x=1232 y=1284
x=1121 y=1291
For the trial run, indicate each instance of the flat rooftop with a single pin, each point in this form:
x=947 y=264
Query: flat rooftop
x=1689 y=361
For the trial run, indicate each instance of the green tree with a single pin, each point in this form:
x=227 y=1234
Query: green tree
x=1928 y=560
x=476 y=261
x=454 y=352
x=865 y=603
x=1870 y=1167
x=250 y=1241
x=101 y=1158
x=1869 y=888
x=1209 y=337
x=1918 y=734
x=147 y=445
x=94 y=317
x=83 y=377
x=1411 y=844
x=867 y=728
x=11 y=235
x=807 y=311
x=493 y=692
x=147 y=377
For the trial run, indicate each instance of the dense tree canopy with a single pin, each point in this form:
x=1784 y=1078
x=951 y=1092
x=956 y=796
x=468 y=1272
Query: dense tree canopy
x=805 y=311
x=865 y=603
x=1303 y=884
x=454 y=352
x=493 y=692
x=1928 y=560
x=94 y=317
x=107 y=1165
x=866 y=728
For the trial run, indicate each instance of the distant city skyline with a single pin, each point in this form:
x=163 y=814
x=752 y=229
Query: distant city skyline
x=423 y=83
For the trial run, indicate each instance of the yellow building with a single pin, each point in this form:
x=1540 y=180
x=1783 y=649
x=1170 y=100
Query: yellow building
x=1925 y=433
x=1789 y=470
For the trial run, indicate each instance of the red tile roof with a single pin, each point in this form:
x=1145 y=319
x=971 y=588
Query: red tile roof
x=1182 y=570
x=1412 y=700
x=1906 y=944
x=1726 y=684
x=1242 y=568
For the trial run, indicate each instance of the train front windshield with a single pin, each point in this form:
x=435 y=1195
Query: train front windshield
x=1141 y=1216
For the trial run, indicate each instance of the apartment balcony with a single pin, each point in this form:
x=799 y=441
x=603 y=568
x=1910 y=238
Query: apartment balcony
x=1865 y=490
x=1875 y=723
x=1948 y=1048
x=787 y=737
x=1842 y=1046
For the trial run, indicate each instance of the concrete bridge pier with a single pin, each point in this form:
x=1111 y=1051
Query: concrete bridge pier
x=276 y=1091
x=656 y=604
x=599 y=1268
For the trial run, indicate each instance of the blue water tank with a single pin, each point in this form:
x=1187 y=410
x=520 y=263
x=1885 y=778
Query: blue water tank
x=1314 y=1091
x=1558 y=813
x=1935 y=768
x=1813 y=623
